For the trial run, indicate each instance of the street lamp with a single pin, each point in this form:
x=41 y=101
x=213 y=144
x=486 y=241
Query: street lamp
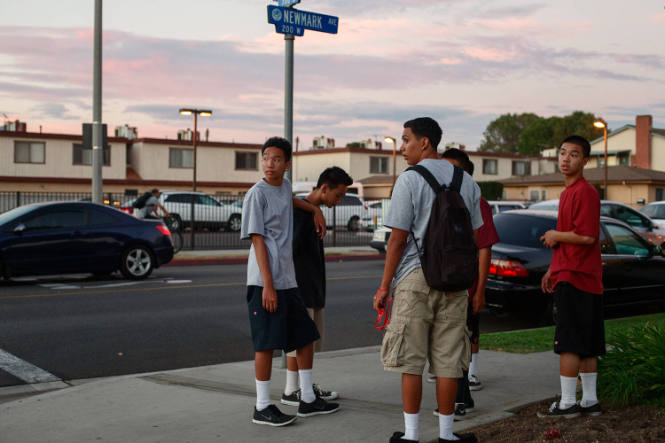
x=196 y=113
x=600 y=123
x=394 y=142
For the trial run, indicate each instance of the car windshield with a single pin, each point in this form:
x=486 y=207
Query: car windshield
x=522 y=230
x=654 y=211
x=8 y=216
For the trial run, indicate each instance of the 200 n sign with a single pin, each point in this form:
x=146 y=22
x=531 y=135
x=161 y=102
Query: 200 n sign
x=295 y=21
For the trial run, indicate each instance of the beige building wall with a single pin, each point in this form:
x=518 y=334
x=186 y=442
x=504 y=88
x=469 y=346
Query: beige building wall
x=58 y=160
x=621 y=141
x=505 y=167
x=308 y=167
x=658 y=153
x=523 y=192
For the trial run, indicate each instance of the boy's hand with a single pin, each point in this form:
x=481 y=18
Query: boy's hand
x=546 y=283
x=550 y=238
x=319 y=222
x=269 y=299
x=478 y=301
x=380 y=298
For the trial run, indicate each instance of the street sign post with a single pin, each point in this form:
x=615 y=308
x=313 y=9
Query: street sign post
x=295 y=21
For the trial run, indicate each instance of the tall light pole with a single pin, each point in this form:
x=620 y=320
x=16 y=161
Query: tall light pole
x=394 y=142
x=600 y=123
x=97 y=139
x=196 y=113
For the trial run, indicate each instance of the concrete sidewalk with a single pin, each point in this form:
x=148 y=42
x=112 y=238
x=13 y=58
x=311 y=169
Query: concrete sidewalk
x=239 y=256
x=215 y=403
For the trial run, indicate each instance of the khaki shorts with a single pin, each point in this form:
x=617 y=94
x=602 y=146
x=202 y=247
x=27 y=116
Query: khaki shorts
x=426 y=325
x=316 y=314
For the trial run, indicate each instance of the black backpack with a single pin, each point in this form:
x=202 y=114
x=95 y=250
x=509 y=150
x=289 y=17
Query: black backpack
x=449 y=257
x=142 y=200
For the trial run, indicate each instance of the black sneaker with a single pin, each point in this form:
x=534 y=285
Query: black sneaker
x=272 y=416
x=554 y=411
x=397 y=438
x=462 y=438
x=591 y=411
x=293 y=399
x=317 y=407
x=326 y=395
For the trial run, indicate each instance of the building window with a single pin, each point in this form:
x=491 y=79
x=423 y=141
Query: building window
x=378 y=165
x=490 y=166
x=521 y=168
x=82 y=156
x=543 y=194
x=181 y=158
x=247 y=161
x=659 y=194
x=29 y=152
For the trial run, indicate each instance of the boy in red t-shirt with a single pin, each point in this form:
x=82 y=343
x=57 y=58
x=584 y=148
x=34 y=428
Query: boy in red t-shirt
x=575 y=279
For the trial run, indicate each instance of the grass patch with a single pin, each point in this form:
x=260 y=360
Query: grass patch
x=541 y=339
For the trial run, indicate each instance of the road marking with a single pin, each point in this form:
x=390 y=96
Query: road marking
x=113 y=285
x=178 y=282
x=59 y=286
x=23 y=370
x=155 y=288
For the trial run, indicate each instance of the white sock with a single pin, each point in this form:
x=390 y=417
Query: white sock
x=411 y=426
x=568 y=392
x=291 y=382
x=262 y=394
x=306 y=390
x=446 y=427
x=472 y=365
x=588 y=389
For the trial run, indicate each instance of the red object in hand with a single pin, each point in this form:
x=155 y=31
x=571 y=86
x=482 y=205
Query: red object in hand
x=383 y=315
x=552 y=434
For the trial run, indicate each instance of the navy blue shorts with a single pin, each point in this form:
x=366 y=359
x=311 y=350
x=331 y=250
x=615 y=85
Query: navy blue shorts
x=288 y=328
x=580 y=327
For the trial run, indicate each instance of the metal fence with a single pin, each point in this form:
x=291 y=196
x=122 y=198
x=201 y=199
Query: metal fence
x=216 y=221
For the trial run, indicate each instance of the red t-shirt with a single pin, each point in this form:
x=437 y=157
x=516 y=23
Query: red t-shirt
x=579 y=265
x=487 y=235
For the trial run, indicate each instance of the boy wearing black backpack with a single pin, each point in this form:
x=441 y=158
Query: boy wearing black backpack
x=427 y=323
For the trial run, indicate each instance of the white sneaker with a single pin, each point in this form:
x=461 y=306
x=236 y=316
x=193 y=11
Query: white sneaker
x=474 y=383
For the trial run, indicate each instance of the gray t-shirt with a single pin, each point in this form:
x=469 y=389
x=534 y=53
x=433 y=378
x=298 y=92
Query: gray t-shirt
x=411 y=204
x=149 y=206
x=268 y=210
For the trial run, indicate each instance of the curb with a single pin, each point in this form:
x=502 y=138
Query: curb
x=243 y=260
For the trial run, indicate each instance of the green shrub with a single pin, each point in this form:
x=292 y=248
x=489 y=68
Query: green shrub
x=491 y=190
x=633 y=370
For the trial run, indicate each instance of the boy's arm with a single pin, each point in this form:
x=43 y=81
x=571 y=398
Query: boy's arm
x=484 y=259
x=319 y=219
x=394 y=252
x=269 y=293
x=552 y=238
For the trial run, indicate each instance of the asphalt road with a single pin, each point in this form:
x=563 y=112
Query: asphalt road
x=77 y=327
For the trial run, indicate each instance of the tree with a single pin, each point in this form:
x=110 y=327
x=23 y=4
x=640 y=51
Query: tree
x=537 y=136
x=502 y=134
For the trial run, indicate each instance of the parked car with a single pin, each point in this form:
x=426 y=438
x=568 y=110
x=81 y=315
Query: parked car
x=638 y=221
x=349 y=212
x=380 y=238
x=633 y=268
x=374 y=216
x=208 y=212
x=79 y=237
x=656 y=212
x=505 y=205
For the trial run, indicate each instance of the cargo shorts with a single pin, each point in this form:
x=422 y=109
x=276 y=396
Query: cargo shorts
x=426 y=325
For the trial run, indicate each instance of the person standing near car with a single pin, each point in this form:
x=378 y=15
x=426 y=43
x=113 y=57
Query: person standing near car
x=152 y=204
x=575 y=280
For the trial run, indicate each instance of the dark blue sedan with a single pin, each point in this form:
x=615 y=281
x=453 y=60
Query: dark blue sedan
x=80 y=237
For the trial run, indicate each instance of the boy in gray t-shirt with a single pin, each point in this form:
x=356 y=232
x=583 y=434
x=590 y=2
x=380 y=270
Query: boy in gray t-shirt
x=277 y=315
x=426 y=324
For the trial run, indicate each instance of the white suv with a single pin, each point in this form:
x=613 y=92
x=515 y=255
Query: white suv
x=349 y=212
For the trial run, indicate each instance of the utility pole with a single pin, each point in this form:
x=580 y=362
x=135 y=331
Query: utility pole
x=97 y=140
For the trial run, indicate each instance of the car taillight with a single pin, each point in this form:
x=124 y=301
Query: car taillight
x=163 y=229
x=507 y=268
x=129 y=210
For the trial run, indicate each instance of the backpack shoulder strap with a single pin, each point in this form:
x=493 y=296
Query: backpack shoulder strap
x=429 y=178
x=458 y=176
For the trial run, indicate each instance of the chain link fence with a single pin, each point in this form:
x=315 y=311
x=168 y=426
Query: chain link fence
x=216 y=220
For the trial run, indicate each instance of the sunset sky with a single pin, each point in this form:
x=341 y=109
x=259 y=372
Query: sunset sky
x=463 y=62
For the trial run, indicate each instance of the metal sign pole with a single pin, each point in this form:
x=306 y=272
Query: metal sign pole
x=97 y=141
x=288 y=94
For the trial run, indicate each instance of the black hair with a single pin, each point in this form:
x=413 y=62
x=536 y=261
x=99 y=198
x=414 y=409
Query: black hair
x=579 y=141
x=461 y=156
x=279 y=143
x=426 y=127
x=334 y=177
x=154 y=190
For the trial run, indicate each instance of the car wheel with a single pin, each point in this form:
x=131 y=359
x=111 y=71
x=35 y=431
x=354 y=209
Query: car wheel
x=137 y=262
x=353 y=224
x=235 y=223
